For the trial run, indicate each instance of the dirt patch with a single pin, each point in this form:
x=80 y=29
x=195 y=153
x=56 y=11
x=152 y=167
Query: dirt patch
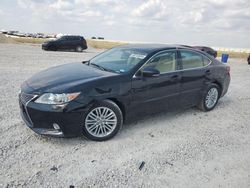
x=103 y=44
x=186 y=148
x=4 y=39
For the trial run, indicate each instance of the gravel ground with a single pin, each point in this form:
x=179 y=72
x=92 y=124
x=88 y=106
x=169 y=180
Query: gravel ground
x=185 y=148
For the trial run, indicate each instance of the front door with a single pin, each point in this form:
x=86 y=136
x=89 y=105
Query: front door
x=152 y=94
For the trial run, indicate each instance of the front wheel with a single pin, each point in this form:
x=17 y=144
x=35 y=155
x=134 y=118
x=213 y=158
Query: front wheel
x=103 y=121
x=210 y=98
x=53 y=48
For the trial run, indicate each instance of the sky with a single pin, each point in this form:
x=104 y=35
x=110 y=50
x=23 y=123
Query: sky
x=217 y=23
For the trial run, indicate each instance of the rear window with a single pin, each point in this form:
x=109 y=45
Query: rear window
x=192 y=60
x=70 y=38
x=74 y=38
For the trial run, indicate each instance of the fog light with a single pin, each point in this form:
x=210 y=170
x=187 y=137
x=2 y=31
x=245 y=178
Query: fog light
x=56 y=126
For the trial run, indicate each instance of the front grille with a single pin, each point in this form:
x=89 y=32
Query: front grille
x=25 y=116
x=26 y=97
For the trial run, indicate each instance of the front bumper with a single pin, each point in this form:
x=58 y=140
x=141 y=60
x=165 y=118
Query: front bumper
x=41 y=117
x=45 y=47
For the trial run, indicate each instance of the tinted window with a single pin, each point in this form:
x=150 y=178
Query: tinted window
x=75 y=38
x=119 y=60
x=191 y=60
x=164 y=62
x=63 y=38
x=71 y=38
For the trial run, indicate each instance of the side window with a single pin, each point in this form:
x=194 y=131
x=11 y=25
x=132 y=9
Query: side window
x=206 y=61
x=75 y=38
x=63 y=38
x=191 y=60
x=163 y=62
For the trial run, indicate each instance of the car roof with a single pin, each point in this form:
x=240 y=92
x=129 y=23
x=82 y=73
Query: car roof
x=202 y=47
x=149 y=48
x=72 y=36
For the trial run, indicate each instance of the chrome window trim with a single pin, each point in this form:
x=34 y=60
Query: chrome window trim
x=210 y=62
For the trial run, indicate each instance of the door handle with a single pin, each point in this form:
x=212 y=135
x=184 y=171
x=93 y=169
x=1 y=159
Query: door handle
x=207 y=72
x=175 y=78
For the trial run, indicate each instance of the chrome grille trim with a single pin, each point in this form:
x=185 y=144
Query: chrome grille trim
x=25 y=99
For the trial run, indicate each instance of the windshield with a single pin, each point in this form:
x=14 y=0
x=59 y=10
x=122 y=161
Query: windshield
x=118 y=60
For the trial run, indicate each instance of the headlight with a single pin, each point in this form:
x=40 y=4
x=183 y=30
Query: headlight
x=51 y=98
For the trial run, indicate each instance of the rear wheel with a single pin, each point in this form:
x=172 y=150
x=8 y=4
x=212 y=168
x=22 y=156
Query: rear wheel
x=79 y=49
x=103 y=121
x=210 y=98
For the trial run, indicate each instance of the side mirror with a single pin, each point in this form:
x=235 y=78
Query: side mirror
x=85 y=62
x=150 y=72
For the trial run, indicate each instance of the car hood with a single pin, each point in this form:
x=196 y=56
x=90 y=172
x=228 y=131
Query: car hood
x=60 y=78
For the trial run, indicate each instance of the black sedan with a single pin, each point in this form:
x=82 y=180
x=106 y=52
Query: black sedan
x=95 y=97
x=68 y=42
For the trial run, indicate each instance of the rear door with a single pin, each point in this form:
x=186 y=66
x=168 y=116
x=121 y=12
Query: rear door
x=161 y=92
x=195 y=71
x=74 y=42
x=70 y=42
x=62 y=43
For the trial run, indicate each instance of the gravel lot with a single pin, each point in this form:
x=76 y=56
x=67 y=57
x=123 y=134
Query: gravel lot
x=185 y=148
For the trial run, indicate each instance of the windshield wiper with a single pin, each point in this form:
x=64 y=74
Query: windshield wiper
x=98 y=66
x=102 y=68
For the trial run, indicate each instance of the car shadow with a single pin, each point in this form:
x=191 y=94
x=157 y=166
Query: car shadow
x=135 y=123
x=128 y=126
x=67 y=51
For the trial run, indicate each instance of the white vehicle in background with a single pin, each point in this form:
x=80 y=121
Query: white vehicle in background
x=19 y=34
x=11 y=32
x=3 y=31
x=39 y=35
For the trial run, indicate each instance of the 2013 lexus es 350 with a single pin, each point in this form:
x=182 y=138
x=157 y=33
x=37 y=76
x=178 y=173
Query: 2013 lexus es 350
x=94 y=98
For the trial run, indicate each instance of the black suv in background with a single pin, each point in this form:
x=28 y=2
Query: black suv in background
x=76 y=43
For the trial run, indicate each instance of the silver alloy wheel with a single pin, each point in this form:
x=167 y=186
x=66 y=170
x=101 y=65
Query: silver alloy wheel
x=212 y=97
x=79 y=48
x=101 y=121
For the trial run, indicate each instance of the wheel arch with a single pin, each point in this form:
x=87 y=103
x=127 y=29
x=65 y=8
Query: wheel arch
x=218 y=84
x=120 y=105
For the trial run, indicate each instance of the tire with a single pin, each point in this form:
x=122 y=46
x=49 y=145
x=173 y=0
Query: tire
x=98 y=128
x=52 y=48
x=214 y=91
x=79 y=49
